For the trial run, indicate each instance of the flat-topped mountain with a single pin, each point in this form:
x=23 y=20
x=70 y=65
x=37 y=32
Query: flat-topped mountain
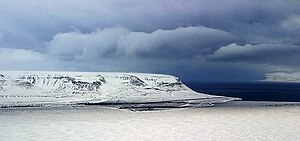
x=26 y=88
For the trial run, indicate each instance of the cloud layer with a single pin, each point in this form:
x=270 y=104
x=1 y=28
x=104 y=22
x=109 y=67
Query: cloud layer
x=199 y=40
x=274 y=54
x=179 y=43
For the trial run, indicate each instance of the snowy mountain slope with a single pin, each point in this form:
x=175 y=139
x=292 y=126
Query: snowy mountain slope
x=283 y=77
x=42 y=88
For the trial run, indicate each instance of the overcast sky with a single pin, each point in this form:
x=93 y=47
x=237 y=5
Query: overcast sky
x=197 y=40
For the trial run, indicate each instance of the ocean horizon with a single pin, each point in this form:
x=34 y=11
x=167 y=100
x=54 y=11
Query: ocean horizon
x=252 y=90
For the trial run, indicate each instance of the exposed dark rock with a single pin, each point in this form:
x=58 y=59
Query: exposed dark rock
x=33 y=82
x=101 y=78
x=90 y=86
x=25 y=84
x=136 y=81
x=150 y=79
x=2 y=81
x=166 y=84
x=65 y=78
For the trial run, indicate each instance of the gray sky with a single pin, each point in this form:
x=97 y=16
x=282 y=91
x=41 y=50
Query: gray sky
x=197 y=40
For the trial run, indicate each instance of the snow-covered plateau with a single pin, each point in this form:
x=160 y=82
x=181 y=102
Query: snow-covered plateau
x=283 y=77
x=19 y=89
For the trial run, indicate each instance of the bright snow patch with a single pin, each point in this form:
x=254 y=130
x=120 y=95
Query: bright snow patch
x=48 y=88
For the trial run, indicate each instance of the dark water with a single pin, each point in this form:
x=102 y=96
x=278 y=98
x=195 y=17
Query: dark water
x=252 y=91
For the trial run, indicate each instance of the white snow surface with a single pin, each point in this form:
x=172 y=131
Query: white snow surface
x=233 y=123
x=283 y=77
x=19 y=88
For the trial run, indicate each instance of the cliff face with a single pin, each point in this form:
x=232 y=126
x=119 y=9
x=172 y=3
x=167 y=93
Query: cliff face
x=21 y=88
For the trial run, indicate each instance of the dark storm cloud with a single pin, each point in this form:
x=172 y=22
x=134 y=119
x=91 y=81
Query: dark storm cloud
x=179 y=43
x=274 y=54
x=182 y=37
x=30 y=22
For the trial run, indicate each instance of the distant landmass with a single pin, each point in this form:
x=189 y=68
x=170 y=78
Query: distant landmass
x=51 y=88
x=283 y=77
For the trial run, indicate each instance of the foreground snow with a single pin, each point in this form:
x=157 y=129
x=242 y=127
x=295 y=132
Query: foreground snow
x=236 y=122
x=283 y=77
x=48 y=88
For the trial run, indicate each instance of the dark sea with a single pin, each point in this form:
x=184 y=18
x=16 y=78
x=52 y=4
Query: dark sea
x=251 y=91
